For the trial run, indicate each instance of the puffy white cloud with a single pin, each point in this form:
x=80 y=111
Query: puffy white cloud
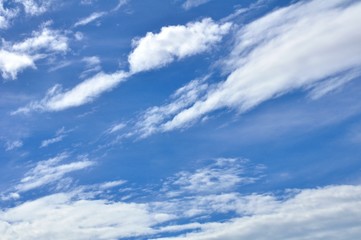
x=11 y=63
x=84 y=92
x=291 y=48
x=15 y=57
x=175 y=42
x=64 y=216
x=89 y=19
x=193 y=3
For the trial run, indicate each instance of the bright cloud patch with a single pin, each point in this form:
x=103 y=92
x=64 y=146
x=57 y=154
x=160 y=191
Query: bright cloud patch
x=15 y=57
x=175 y=42
x=13 y=63
x=84 y=92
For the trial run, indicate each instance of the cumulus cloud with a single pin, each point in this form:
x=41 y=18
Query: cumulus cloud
x=18 y=56
x=11 y=63
x=291 y=48
x=89 y=19
x=175 y=42
x=193 y=3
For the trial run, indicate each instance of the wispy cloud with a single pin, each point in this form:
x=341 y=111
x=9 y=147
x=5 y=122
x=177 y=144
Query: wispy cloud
x=188 y=4
x=6 y=15
x=35 y=7
x=89 y=19
x=84 y=92
x=11 y=145
x=49 y=171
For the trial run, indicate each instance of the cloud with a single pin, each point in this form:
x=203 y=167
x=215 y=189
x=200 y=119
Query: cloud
x=120 y=4
x=45 y=39
x=47 y=142
x=112 y=184
x=10 y=145
x=116 y=127
x=35 y=7
x=330 y=212
x=16 y=57
x=175 y=42
x=89 y=19
x=325 y=213
x=84 y=92
x=11 y=63
x=191 y=39
x=6 y=15
x=188 y=4
x=222 y=175
x=282 y=52
x=148 y=122
x=49 y=171
x=64 y=216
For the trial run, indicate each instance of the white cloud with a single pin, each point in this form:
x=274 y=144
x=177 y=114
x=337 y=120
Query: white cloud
x=11 y=63
x=46 y=39
x=175 y=42
x=326 y=213
x=63 y=216
x=112 y=184
x=6 y=15
x=288 y=49
x=184 y=97
x=10 y=145
x=89 y=19
x=222 y=175
x=35 y=7
x=49 y=171
x=15 y=57
x=331 y=212
x=116 y=127
x=84 y=92
x=47 y=142
x=193 y=3
x=120 y=4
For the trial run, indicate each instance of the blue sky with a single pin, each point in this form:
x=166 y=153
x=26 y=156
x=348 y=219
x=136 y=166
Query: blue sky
x=181 y=119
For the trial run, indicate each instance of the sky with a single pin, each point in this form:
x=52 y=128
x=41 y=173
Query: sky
x=180 y=119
